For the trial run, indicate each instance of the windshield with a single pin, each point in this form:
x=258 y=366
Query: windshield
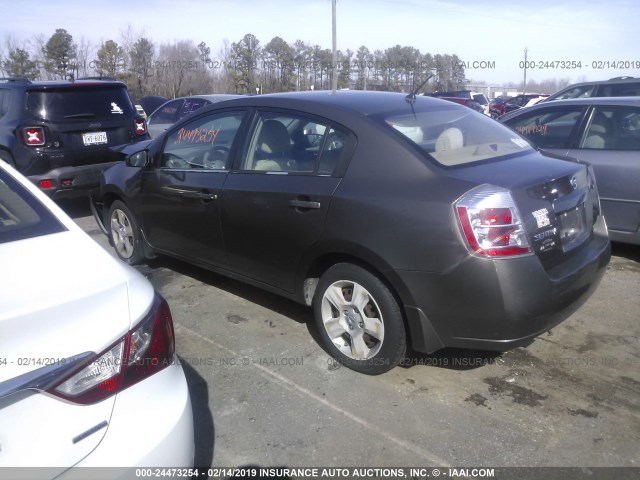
x=455 y=135
x=21 y=214
x=98 y=102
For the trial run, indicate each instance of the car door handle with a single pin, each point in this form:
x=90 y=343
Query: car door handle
x=304 y=204
x=202 y=195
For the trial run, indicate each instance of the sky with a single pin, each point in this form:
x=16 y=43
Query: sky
x=602 y=37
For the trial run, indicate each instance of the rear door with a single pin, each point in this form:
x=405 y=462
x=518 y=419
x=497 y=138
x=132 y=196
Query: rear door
x=611 y=144
x=180 y=196
x=275 y=201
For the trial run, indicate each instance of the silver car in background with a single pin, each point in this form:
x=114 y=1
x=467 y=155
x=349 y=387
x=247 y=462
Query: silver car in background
x=173 y=110
x=604 y=132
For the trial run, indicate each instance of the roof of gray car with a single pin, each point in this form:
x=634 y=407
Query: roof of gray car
x=356 y=101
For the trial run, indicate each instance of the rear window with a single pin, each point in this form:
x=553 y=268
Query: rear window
x=21 y=214
x=456 y=136
x=191 y=105
x=66 y=104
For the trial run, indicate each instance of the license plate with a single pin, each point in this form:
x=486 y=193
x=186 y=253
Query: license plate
x=94 y=138
x=572 y=224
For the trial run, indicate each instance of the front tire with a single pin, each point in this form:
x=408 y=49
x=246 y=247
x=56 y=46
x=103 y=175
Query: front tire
x=124 y=234
x=359 y=320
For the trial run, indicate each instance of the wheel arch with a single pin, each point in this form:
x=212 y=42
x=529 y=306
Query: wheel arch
x=319 y=263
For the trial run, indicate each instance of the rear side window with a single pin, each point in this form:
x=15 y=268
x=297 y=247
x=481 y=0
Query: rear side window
x=613 y=129
x=21 y=214
x=456 y=136
x=4 y=101
x=621 y=90
x=296 y=144
x=549 y=128
x=86 y=102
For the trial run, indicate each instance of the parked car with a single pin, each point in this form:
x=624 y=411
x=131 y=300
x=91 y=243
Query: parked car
x=502 y=105
x=140 y=111
x=476 y=97
x=151 y=103
x=615 y=87
x=401 y=220
x=473 y=105
x=603 y=132
x=88 y=375
x=173 y=110
x=59 y=133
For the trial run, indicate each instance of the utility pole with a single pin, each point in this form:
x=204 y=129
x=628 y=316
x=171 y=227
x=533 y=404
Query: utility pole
x=524 y=83
x=334 y=79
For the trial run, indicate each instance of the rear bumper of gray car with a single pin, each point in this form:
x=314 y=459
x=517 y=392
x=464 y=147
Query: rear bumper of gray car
x=499 y=304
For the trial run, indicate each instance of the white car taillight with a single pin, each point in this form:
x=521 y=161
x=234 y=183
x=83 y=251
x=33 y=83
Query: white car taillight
x=490 y=222
x=147 y=349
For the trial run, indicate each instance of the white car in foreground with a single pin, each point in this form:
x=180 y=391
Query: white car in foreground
x=88 y=375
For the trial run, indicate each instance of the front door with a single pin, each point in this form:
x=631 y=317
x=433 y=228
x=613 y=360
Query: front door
x=180 y=197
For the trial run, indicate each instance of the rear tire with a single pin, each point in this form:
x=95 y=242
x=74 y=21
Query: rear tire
x=124 y=234
x=359 y=320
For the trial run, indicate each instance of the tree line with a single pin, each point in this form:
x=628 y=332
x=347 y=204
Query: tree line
x=183 y=67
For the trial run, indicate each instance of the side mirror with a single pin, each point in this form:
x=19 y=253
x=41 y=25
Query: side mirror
x=138 y=159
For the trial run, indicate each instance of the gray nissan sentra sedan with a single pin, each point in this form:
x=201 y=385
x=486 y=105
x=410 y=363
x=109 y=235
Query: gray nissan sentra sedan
x=403 y=221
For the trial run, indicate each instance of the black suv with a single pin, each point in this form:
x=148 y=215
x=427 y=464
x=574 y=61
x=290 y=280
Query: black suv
x=615 y=87
x=59 y=133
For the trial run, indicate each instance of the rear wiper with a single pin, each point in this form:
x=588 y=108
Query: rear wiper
x=81 y=115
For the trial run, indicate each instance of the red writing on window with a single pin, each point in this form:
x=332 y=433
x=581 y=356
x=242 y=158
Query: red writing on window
x=533 y=129
x=197 y=135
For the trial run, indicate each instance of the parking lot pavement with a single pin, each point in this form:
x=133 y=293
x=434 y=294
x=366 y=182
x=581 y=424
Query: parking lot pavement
x=266 y=394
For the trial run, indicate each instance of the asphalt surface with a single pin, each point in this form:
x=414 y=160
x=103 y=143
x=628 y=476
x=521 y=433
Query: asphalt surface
x=266 y=394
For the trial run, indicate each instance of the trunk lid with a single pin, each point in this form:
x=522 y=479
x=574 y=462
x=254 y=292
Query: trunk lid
x=53 y=307
x=557 y=199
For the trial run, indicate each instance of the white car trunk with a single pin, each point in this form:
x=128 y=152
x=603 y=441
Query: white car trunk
x=59 y=306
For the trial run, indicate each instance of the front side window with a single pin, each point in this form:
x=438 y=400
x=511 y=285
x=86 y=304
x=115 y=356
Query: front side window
x=22 y=216
x=203 y=143
x=613 y=129
x=550 y=128
x=295 y=144
x=456 y=136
